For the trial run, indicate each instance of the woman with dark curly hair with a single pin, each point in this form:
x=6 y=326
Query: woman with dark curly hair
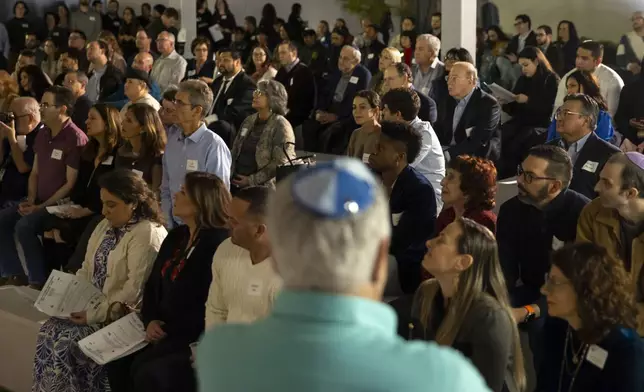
x=468 y=190
x=33 y=82
x=595 y=346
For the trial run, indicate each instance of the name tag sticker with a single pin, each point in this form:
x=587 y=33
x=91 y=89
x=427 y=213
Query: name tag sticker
x=254 y=288
x=354 y=80
x=57 y=154
x=192 y=165
x=597 y=356
x=139 y=173
x=590 y=166
x=291 y=82
x=192 y=72
x=468 y=131
x=93 y=19
x=108 y=160
x=557 y=243
x=25 y=26
x=370 y=56
x=224 y=17
x=244 y=132
x=424 y=90
x=365 y=157
x=395 y=218
x=230 y=100
x=55 y=33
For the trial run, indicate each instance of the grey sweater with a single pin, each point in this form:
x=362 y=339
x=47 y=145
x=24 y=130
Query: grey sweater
x=89 y=23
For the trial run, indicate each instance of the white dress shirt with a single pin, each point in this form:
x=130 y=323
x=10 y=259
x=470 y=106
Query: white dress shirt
x=430 y=161
x=610 y=87
x=169 y=71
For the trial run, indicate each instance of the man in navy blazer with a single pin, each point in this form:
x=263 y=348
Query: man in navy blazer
x=469 y=125
x=333 y=116
x=399 y=75
x=576 y=121
x=411 y=199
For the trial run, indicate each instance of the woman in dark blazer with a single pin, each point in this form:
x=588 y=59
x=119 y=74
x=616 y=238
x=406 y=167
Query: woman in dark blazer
x=591 y=341
x=175 y=294
x=201 y=67
x=466 y=305
x=226 y=20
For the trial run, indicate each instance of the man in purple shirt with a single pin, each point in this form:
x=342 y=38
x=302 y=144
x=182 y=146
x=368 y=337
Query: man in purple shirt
x=55 y=168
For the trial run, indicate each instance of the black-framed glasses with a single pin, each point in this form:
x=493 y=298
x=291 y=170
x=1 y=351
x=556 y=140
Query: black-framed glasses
x=529 y=177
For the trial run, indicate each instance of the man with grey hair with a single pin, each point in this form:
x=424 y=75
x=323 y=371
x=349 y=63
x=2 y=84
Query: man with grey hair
x=329 y=231
x=17 y=138
x=428 y=67
x=170 y=67
x=331 y=130
x=191 y=145
x=77 y=82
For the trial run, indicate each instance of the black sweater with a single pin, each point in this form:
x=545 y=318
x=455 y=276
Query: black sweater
x=181 y=303
x=541 y=90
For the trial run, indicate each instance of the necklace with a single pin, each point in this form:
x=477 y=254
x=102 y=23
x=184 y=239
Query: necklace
x=577 y=359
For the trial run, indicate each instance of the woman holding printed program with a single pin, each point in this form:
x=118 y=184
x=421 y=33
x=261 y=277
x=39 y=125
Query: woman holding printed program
x=118 y=261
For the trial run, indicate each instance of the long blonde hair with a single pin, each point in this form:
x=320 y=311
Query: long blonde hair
x=484 y=277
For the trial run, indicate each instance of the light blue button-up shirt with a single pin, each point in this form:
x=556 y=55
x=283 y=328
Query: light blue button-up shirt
x=575 y=148
x=324 y=342
x=458 y=112
x=202 y=151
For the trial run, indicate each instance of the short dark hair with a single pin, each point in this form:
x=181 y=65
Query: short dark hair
x=252 y=20
x=309 y=33
x=440 y=15
x=290 y=44
x=525 y=19
x=160 y=8
x=559 y=162
x=596 y=48
x=96 y=2
x=27 y=53
x=234 y=53
x=199 y=41
x=171 y=12
x=79 y=32
x=371 y=97
x=459 y=54
x=63 y=97
x=24 y=5
x=589 y=108
x=403 y=70
x=632 y=175
x=405 y=134
x=73 y=54
x=170 y=94
x=257 y=197
x=546 y=29
x=403 y=100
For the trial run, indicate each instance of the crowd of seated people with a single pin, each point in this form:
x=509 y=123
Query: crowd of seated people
x=162 y=178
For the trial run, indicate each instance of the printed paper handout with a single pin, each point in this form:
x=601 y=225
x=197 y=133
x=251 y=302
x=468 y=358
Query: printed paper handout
x=66 y=293
x=119 y=339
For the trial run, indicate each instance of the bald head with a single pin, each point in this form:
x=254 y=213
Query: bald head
x=349 y=58
x=143 y=62
x=27 y=113
x=462 y=80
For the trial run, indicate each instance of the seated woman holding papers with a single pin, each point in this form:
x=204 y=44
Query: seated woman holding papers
x=118 y=261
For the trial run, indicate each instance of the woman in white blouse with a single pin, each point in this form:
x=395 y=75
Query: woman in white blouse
x=119 y=258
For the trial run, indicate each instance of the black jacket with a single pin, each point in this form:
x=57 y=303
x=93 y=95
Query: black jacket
x=207 y=70
x=513 y=46
x=227 y=22
x=525 y=238
x=590 y=162
x=81 y=111
x=316 y=58
x=478 y=132
x=555 y=57
x=359 y=81
x=541 y=90
x=17 y=29
x=631 y=106
x=371 y=56
x=110 y=81
x=413 y=216
x=181 y=304
x=300 y=85
x=112 y=25
x=428 y=111
x=234 y=105
x=569 y=54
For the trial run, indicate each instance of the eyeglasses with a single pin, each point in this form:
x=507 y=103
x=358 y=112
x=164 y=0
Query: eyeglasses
x=517 y=24
x=561 y=113
x=258 y=93
x=529 y=177
x=453 y=78
x=45 y=105
x=179 y=103
x=550 y=284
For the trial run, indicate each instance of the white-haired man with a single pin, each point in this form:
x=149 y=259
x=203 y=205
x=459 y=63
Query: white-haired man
x=17 y=140
x=170 y=67
x=428 y=67
x=329 y=330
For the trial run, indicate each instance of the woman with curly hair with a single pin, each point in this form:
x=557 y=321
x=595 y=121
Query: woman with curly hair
x=467 y=307
x=468 y=190
x=33 y=82
x=594 y=347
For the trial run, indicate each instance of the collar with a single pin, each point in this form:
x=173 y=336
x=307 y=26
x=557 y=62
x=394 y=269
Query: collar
x=195 y=137
x=172 y=55
x=544 y=48
x=578 y=145
x=465 y=99
x=523 y=37
x=292 y=65
x=231 y=78
x=339 y=309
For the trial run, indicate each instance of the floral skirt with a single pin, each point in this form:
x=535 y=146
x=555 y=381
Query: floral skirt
x=60 y=365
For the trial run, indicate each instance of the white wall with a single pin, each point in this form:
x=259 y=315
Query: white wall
x=597 y=19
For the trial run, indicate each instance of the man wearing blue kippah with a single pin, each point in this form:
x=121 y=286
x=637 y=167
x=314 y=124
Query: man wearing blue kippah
x=412 y=199
x=329 y=330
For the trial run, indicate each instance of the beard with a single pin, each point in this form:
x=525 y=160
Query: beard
x=534 y=200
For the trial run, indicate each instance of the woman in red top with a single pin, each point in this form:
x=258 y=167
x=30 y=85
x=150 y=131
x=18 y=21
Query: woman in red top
x=469 y=190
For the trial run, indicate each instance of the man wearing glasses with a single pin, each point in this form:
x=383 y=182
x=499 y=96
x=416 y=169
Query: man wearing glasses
x=630 y=51
x=553 y=53
x=576 y=121
x=541 y=218
x=524 y=37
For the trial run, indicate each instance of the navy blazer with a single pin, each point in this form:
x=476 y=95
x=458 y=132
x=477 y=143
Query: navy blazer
x=371 y=56
x=428 y=111
x=413 y=213
x=481 y=120
x=344 y=109
x=301 y=88
x=590 y=162
x=234 y=105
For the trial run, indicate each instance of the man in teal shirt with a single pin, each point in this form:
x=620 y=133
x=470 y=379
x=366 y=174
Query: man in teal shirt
x=329 y=330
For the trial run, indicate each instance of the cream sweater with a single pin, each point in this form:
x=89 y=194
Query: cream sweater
x=240 y=291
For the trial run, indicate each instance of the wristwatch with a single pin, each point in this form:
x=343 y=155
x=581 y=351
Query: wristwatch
x=532 y=314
